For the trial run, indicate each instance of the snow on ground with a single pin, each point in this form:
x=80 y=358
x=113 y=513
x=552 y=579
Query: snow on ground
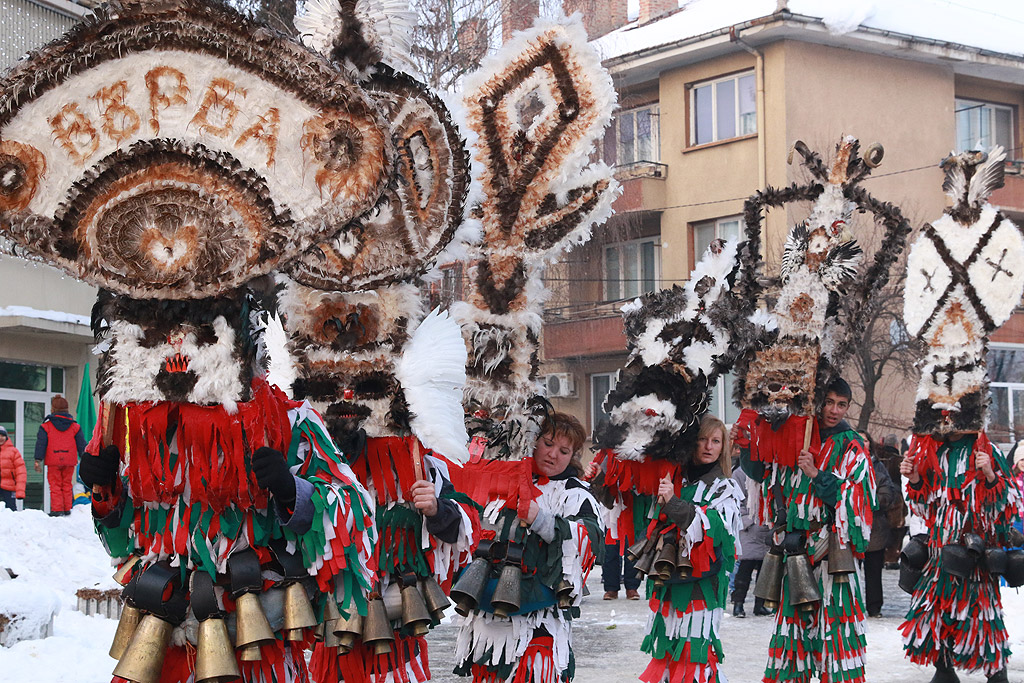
x=55 y=556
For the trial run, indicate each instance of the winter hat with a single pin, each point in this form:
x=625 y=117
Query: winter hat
x=1018 y=457
x=3 y=430
x=58 y=403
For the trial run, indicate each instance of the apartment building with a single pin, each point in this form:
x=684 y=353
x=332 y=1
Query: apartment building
x=45 y=338
x=712 y=97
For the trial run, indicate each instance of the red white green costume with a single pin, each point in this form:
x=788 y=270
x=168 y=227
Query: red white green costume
x=829 y=641
x=683 y=638
x=407 y=545
x=187 y=496
x=962 y=618
x=535 y=644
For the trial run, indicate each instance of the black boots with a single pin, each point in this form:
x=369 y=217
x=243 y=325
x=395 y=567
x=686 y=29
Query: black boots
x=737 y=610
x=759 y=609
x=999 y=677
x=944 y=671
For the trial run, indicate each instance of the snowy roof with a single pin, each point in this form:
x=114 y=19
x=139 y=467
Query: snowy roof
x=52 y=316
x=985 y=25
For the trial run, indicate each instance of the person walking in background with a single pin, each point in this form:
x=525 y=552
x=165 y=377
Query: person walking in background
x=892 y=456
x=59 y=445
x=617 y=569
x=874 y=556
x=12 y=472
x=754 y=539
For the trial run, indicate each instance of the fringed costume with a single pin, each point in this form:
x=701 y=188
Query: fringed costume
x=828 y=640
x=178 y=503
x=556 y=553
x=960 y=618
x=958 y=292
x=702 y=522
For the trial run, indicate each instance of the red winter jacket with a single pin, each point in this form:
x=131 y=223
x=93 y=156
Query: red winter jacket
x=12 y=469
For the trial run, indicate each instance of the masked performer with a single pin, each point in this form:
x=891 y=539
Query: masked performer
x=174 y=154
x=656 y=443
x=817 y=484
x=959 y=290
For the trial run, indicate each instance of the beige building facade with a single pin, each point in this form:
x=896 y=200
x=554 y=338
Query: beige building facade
x=720 y=112
x=45 y=339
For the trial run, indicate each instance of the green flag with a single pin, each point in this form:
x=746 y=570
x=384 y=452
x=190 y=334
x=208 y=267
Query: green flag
x=85 y=412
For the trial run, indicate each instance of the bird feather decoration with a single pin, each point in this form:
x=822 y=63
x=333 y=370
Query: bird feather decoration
x=536 y=109
x=359 y=34
x=432 y=372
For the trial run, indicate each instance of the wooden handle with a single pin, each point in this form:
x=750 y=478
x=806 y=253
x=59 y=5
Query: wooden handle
x=808 y=427
x=417 y=460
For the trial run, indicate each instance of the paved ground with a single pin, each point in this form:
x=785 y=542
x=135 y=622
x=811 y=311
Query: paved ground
x=607 y=642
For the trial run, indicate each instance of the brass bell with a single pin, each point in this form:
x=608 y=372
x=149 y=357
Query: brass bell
x=646 y=561
x=298 y=612
x=331 y=612
x=564 y=594
x=346 y=630
x=437 y=601
x=769 y=580
x=803 y=587
x=665 y=564
x=251 y=626
x=637 y=550
x=415 y=615
x=324 y=630
x=470 y=587
x=144 y=657
x=125 y=568
x=684 y=565
x=215 y=655
x=126 y=625
x=377 y=631
x=508 y=592
x=840 y=557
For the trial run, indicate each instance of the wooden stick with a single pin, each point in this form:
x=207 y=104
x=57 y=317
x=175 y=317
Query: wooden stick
x=417 y=460
x=808 y=428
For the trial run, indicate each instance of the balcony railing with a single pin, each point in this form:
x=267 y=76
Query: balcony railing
x=641 y=169
x=584 y=311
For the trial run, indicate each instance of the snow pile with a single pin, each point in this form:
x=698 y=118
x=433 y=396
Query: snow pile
x=53 y=558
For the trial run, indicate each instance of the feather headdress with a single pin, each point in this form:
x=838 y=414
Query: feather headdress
x=820 y=265
x=179 y=150
x=537 y=108
x=358 y=34
x=964 y=278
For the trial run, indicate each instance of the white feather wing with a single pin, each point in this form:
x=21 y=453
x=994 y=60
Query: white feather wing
x=432 y=372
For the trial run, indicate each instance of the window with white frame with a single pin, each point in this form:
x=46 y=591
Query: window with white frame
x=637 y=135
x=980 y=125
x=722 y=406
x=631 y=268
x=1006 y=374
x=600 y=384
x=727 y=228
x=723 y=108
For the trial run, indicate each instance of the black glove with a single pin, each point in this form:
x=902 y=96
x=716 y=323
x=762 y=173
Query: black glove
x=271 y=470
x=100 y=469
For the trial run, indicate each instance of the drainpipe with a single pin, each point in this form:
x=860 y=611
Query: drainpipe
x=762 y=132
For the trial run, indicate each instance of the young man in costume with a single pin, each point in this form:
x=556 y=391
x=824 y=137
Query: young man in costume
x=958 y=292
x=830 y=491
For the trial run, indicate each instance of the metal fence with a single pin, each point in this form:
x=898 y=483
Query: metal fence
x=26 y=25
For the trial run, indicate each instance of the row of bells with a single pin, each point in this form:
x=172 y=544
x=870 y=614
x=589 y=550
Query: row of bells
x=960 y=560
x=415 y=603
x=141 y=639
x=469 y=590
x=660 y=557
x=795 y=566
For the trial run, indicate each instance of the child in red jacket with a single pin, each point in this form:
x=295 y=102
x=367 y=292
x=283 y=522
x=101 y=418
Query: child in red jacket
x=12 y=472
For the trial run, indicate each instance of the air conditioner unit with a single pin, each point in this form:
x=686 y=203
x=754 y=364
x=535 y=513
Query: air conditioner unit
x=560 y=384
